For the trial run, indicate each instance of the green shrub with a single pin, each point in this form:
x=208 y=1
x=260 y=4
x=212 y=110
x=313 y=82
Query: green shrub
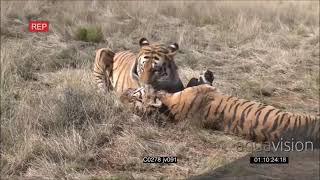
x=89 y=34
x=94 y=35
x=81 y=34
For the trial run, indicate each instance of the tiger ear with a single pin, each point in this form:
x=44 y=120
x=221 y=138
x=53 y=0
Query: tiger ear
x=173 y=47
x=143 y=42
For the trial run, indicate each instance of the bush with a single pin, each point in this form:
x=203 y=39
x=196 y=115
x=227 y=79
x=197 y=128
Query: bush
x=89 y=34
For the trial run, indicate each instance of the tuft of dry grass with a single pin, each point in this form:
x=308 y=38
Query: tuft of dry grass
x=55 y=125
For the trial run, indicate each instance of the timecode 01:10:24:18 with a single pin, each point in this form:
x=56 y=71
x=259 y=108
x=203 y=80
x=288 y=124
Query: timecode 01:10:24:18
x=269 y=160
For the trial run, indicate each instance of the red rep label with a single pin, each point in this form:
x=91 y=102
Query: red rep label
x=38 y=26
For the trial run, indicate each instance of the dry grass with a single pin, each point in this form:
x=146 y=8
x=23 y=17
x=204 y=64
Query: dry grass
x=54 y=125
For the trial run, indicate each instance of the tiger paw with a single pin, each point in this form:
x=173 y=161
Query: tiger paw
x=206 y=77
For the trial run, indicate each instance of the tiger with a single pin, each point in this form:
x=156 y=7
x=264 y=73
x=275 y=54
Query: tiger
x=146 y=79
x=252 y=120
x=120 y=71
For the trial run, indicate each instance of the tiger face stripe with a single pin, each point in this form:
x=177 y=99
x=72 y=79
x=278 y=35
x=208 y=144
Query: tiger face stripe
x=120 y=71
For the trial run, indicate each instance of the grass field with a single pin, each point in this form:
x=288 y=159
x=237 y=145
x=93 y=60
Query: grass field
x=54 y=124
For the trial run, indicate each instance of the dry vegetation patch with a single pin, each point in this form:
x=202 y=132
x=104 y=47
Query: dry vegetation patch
x=55 y=125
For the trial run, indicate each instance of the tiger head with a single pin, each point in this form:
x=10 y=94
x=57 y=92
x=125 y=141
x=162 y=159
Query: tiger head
x=161 y=57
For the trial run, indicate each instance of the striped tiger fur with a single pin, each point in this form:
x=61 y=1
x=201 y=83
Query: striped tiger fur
x=230 y=114
x=120 y=71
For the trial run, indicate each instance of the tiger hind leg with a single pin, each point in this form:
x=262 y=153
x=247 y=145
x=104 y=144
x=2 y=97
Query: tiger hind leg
x=102 y=69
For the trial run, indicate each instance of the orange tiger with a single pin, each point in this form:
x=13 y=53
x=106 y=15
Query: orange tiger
x=120 y=71
x=252 y=120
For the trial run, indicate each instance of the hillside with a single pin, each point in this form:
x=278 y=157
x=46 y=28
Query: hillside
x=55 y=125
